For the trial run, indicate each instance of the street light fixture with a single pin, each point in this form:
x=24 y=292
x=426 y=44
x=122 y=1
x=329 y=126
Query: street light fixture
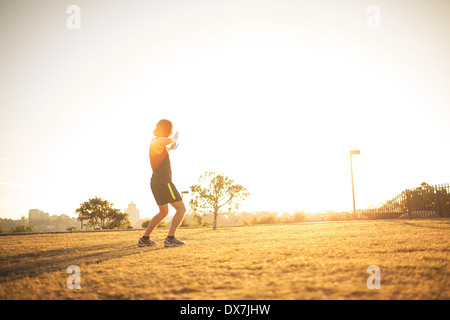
x=351 y=170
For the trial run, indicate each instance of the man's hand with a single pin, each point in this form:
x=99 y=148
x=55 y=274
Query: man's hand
x=174 y=144
x=159 y=144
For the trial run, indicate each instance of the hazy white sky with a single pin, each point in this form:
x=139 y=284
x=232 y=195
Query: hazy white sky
x=272 y=93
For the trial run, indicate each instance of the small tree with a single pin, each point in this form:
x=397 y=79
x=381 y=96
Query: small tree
x=214 y=193
x=101 y=213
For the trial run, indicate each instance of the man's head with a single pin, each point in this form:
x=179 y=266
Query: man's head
x=163 y=128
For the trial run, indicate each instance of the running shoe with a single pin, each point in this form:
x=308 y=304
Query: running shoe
x=173 y=242
x=146 y=243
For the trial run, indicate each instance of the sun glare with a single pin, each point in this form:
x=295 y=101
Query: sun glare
x=278 y=119
x=273 y=104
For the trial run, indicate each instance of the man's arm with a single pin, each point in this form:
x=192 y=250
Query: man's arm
x=160 y=143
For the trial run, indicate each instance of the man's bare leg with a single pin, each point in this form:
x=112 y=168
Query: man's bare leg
x=163 y=211
x=178 y=217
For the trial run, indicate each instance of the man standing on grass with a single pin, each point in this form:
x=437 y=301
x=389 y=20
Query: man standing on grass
x=162 y=187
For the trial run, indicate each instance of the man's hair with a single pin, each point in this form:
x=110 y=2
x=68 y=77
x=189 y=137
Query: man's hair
x=163 y=128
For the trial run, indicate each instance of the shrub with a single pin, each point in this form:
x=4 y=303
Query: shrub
x=299 y=217
x=21 y=228
x=269 y=219
x=184 y=223
x=146 y=223
x=162 y=224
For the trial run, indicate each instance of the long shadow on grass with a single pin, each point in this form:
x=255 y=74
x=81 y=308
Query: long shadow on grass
x=51 y=253
x=34 y=264
x=426 y=226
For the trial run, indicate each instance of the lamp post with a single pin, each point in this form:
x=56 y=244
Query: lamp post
x=351 y=170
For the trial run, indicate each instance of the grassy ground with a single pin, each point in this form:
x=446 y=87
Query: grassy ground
x=297 y=261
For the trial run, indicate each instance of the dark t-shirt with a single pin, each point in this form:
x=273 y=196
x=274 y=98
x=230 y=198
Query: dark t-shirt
x=160 y=165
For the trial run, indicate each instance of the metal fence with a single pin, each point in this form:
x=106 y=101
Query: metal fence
x=423 y=202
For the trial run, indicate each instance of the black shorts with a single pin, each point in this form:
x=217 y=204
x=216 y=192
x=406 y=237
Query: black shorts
x=164 y=192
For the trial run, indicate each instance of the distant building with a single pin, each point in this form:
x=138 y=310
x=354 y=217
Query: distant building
x=41 y=222
x=36 y=214
x=133 y=215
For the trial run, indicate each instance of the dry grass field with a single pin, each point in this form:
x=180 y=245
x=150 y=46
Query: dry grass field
x=292 y=261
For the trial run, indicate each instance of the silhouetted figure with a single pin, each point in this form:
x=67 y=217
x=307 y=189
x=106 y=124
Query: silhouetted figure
x=163 y=189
